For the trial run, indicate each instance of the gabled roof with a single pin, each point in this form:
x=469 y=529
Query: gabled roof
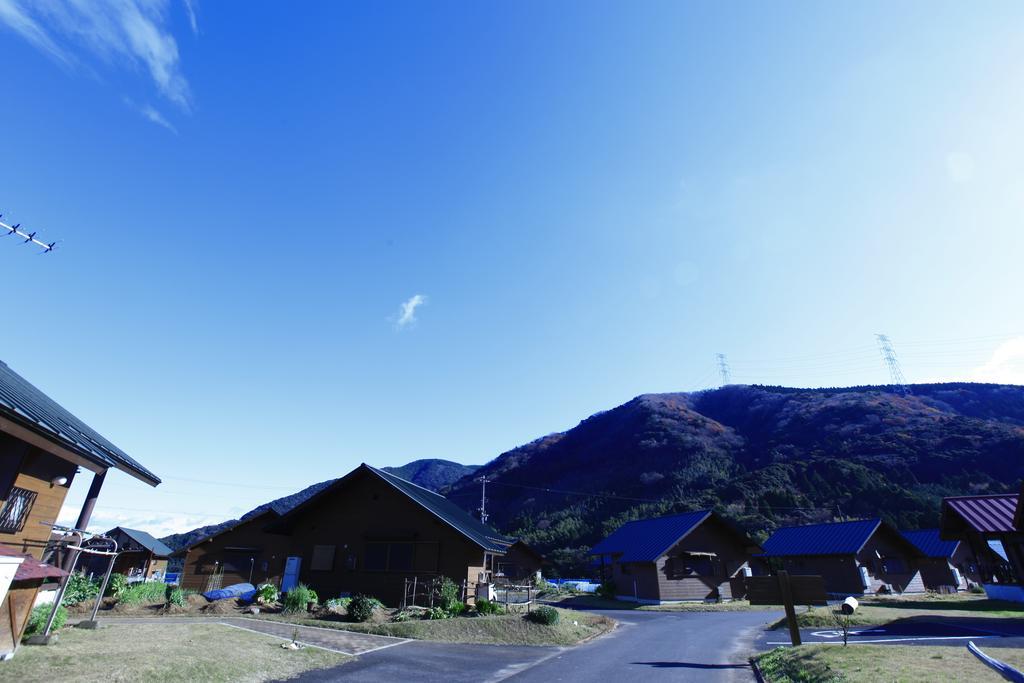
x=434 y=503
x=645 y=540
x=832 y=538
x=929 y=543
x=23 y=404
x=151 y=544
x=30 y=568
x=992 y=514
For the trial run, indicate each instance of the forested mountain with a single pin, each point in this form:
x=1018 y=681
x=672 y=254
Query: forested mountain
x=432 y=474
x=763 y=456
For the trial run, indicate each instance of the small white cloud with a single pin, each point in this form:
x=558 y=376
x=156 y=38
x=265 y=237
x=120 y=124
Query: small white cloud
x=959 y=167
x=156 y=523
x=151 y=114
x=1005 y=366
x=407 y=311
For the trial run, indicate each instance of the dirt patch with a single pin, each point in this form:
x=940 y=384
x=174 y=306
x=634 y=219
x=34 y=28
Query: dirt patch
x=225 y=606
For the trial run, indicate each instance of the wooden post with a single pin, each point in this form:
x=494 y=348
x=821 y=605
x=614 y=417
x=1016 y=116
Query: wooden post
x=414 y=591
x=787 y=601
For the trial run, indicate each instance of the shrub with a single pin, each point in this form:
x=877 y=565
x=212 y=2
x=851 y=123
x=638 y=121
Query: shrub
x=175 y=596
x=37 y=620
x=436 y=613
x=298 y=598
x=456 y=608
x=446 y=592
x=485 y=607
x=266 y=592
x=80 y=589
x=117 y=585
x=544 y=615
x=975 y=588
x=360 y=607
x=146 y=592
x=607 y=589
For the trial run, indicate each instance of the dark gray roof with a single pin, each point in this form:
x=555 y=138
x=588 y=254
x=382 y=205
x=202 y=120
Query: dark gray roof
x=929 y=543
x=147 y=541
x=25 y=405
x=434 y=503
x=646 y=540
x=834 y=538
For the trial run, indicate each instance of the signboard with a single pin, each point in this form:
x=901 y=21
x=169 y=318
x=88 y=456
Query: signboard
x=806 y=590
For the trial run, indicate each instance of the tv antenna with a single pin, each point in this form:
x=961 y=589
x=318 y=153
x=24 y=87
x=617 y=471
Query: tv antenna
x=723 y=368
x=896 y=377
x=29 y=237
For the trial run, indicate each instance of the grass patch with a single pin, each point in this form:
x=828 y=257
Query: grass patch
x=164 y=652
x=505 y=629
x=883 y=610
x=144 y=593
x=864 y=663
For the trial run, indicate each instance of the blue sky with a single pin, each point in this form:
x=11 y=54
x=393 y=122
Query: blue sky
x=294 y=239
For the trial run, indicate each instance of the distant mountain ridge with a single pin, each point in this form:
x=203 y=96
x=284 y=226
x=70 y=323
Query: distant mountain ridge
x=763 y=456
x=433 y=474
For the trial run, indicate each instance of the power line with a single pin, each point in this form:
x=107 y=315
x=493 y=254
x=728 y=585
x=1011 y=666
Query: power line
x=30 y=237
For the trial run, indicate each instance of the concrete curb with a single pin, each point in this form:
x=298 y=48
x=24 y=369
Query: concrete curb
x=758 y=675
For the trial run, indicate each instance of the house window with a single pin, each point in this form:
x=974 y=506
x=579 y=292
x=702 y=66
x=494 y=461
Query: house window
x=376 y=559
x=400 y=557
x=15 y=511
x=426 y=557
x=389 y=557
x=323 y=558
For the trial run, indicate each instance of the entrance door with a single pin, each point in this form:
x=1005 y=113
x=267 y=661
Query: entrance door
x=291 y=574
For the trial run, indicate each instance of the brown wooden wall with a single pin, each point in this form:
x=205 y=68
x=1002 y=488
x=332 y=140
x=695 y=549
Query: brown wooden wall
x=905 y=580
x=725 y=581
x=369 y=512
x=269 y=552
x=841 y=573
x=14 y=613
x=936 y=572
x=37 y=469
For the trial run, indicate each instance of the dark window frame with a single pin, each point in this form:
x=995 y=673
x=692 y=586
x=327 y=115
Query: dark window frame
x=19 y=501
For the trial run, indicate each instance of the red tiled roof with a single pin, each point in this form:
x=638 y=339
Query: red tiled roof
x=32 y=569
x=987 y=514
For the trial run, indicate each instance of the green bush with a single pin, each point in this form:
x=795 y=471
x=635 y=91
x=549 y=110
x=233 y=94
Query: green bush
x=607 y=589
x=80 y=589
x=267 y=592
x=37 y=620
x=975 y=588
x=144 y=593
x=175 y=596
x=544 y=615
x=298 y=598
x=360 y=607
x=456 y=608
x=446 y=593
x=486 y=607
x=436 y=613
x=117 y=585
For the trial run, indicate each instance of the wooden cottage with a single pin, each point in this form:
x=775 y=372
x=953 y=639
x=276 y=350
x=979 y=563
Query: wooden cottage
x=242 y=553
x=946 y=565
x=369 y=531
x=984 y=520
x=686 y=557
x=520 y=564
x=854 y=558
x=141 y=558
x=42 y=448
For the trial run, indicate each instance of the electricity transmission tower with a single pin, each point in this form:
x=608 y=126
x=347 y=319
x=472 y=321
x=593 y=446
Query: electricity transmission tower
x=889 y=355
x=723 y=368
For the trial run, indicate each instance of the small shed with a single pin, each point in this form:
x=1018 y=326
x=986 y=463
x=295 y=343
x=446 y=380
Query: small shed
x=140 y=556
x=946 y=564
x=693 y=556
x=855 y=558
x=519 y=564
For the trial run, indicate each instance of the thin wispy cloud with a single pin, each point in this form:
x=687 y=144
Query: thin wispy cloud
x=117 y=32
x=407 y=311
x=190 y=10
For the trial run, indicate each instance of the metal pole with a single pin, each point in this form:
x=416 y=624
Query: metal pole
x=63 y=587
x=103 y=586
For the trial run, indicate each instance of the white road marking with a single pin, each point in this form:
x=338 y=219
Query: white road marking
x=883 y=640
x=271 y=635
x=323 y=628
x=516 y=669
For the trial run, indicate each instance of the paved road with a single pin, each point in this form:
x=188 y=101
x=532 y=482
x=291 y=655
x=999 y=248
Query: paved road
x=950 y=631
x=656 y=646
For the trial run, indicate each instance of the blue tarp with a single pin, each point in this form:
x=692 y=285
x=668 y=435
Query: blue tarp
x=245 y=591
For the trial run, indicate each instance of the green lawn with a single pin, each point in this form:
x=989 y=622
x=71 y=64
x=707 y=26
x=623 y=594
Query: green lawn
x=884 y=610
x=163 y=652
x=881 y=663
x=508 y=629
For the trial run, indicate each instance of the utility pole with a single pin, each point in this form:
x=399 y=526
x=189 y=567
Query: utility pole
x=483 y=498
x=723 y=368
x=889 y=355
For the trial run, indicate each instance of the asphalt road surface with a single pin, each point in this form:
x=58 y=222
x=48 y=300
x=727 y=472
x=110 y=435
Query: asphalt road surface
x=949 y=631
x=654 y=646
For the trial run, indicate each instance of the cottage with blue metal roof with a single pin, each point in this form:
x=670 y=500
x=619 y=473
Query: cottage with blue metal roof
x=855 y=558
x=686 y=557
x=947 y=566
